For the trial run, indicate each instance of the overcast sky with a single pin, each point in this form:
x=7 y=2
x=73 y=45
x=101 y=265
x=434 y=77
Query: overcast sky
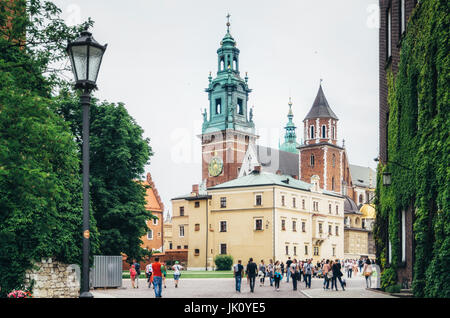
x=160 y=53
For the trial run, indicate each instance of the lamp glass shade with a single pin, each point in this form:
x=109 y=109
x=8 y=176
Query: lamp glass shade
x=95 y=59
x=79 y=62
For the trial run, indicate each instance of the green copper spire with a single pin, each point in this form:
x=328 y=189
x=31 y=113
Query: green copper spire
x=290 y=138
x=228 y=93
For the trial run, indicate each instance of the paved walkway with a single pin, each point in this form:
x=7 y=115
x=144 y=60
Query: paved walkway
x=224 y=288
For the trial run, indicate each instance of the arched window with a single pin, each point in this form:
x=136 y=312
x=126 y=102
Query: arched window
x=311 y=134
x=222 y=64
x=312 y=160
x=357 y=221
x=360 y=198
x=218 y=106
x=332 y=184
x=333 y=135
x=324 y=131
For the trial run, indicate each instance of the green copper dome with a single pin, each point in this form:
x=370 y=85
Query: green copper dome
x=290 y=138
x=228 y=93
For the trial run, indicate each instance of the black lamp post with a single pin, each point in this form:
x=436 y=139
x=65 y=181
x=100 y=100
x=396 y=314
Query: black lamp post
x=86 y=57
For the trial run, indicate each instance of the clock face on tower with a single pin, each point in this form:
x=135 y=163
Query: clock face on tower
x=215 y=166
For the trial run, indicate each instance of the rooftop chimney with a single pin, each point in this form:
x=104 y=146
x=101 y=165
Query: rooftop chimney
x=195 y=189
x=257 y=169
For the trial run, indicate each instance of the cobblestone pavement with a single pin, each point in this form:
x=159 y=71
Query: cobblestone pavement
x=224 y=288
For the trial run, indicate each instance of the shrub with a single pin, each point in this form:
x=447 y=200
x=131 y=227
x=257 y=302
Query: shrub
x=223 y=262
x=393 y=289
x=388 y=278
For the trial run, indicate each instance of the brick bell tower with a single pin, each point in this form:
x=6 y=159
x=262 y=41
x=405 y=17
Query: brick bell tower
x=320 y=154
x=228 y=127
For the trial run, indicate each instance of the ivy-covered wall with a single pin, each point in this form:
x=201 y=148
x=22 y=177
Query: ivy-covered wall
x=419 y=153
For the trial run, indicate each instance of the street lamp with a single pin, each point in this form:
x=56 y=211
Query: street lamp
x=85 y=56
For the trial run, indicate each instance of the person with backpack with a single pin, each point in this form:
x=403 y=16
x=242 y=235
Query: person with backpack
x=132 y=275
x=237 y=273
x=277 y=276
x=176 y=272
x=262 y=273
x=327 y=274
x=294 y=273
x=367 y=272
x=137 y=267
x=307 y=273
x=288 y=269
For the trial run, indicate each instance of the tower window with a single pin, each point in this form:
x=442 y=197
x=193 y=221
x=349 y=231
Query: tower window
x=311 y=134
x=402 y=17
x=222 y=64
x=240 y=106
x=332 y=184
x=218 y=106
x=333 y=160
x=312 y=160
x=324 y=131
x=333 y=135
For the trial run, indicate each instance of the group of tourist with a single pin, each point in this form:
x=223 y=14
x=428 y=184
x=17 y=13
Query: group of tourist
x=156 y=274
x=329 y=270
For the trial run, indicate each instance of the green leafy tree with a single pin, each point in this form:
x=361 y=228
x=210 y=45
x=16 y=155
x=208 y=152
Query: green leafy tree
x=40 y=183
x=118 y=154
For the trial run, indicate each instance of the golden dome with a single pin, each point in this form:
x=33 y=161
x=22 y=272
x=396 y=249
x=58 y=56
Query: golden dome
x=368 y=211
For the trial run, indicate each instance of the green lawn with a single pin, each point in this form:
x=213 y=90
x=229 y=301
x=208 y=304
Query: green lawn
x=191 y=274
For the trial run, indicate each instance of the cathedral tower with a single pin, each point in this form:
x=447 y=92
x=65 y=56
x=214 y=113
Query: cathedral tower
x=320 y=155
x=290 y=138
x=228 y=127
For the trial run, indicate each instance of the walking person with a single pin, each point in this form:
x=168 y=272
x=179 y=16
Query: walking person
x=262 y=273
x=337 y=274
x=326 y=269
x=355 y=267
x=307 y=273
x=237 y=273
x=282 y=270
x=360 y=264
x=367 y=272
x=294 y=273
x=349 y=270
x=132 y=275
x=269 y=272
x=148 y=273
x=277 y=275
x=137 y=267
x=176 y=272
x=252 y=271
x=288 y=271
x=164 y=272
x=157 y=277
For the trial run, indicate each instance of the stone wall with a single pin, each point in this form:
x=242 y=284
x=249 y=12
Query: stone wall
x=54 y=280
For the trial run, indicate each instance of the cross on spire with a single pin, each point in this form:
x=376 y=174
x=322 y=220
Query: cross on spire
x=228 y=22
